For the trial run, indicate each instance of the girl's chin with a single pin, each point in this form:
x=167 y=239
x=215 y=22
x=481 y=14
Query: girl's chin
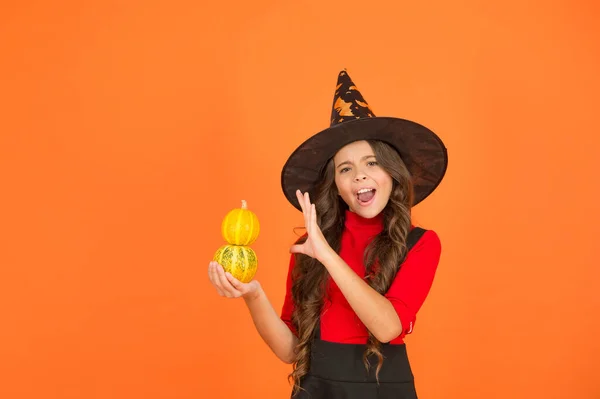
x=366 y=212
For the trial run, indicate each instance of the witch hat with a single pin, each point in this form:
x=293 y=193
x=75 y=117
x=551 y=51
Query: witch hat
x=352 y=119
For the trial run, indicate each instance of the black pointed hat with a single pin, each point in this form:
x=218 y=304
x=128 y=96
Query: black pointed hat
x=352 y=119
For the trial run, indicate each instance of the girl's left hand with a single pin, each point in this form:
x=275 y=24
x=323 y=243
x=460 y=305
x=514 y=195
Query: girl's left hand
x=316 y=245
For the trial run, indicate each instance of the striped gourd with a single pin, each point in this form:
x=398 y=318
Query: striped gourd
x=239 y=260
x=240 y=226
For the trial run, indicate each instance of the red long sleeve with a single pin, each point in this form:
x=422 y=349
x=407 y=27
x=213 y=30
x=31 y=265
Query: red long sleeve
x=407 y=293
x=414 y=280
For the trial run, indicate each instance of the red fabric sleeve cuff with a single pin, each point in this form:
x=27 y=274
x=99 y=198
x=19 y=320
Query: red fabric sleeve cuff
x=407 y=318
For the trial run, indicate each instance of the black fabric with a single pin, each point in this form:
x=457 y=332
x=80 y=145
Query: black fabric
x=316 y=388
x=343 y=362
x=337 y=370
x=413 y=237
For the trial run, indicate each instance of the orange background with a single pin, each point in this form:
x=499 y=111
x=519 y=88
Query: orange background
x=129 y=129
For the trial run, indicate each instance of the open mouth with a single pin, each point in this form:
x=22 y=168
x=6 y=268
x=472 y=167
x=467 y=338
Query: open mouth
x=365 y=196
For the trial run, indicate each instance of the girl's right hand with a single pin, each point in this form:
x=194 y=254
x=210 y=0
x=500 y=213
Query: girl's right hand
x=228 y=286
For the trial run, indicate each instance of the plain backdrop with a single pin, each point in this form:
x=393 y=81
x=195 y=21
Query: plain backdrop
x=128 y=129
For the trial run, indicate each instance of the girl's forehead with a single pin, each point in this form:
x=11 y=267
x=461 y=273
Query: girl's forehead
x=357 y=149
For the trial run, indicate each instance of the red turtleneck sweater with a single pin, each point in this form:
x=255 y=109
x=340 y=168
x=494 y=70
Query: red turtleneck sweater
x=407 y=293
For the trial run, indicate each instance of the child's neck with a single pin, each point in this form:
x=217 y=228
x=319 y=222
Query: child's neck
x=354 y=220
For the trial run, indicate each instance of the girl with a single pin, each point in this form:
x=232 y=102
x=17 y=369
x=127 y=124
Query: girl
x=362 y=271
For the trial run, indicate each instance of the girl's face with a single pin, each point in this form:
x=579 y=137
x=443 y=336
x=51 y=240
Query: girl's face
x=363 y=185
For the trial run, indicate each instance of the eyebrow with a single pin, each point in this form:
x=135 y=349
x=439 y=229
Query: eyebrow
x=350 y=163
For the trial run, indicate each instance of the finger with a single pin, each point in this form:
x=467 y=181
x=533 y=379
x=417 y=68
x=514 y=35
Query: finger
x=309 y=225
x=312 y=215
x=230 y=291
x=300 y=200
x=237 y=284
x=297 y=249
x=308 y=211
x=307 y=201
x=214 y=279
x=223 y=283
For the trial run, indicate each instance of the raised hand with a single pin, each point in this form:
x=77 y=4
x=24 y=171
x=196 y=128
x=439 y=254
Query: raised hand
x=227 y=285
x=316 y=245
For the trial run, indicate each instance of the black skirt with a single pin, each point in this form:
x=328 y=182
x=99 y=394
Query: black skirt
x=337 y=371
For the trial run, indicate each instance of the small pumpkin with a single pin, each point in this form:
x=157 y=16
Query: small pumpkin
x=239 y=260
x=240 y=226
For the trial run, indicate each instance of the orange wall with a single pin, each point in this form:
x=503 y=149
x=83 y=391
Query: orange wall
x=129 y=129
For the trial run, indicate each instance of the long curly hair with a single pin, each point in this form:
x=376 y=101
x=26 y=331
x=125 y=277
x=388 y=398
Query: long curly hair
x=382 y=256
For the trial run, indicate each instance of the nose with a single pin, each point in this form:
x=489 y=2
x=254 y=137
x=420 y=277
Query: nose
x=359 y=177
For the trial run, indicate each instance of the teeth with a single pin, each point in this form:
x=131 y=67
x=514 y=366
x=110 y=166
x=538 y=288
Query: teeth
x=364 y=190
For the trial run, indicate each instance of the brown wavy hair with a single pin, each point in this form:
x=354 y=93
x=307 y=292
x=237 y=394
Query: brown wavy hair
x=382 y=256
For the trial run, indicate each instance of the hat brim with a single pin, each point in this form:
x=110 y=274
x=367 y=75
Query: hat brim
x=421 y=150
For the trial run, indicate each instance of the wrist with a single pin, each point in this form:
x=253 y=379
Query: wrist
x=328 y=257
x=253 y=295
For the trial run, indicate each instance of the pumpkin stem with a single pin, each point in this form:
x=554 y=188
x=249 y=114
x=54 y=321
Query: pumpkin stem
x=244 y=204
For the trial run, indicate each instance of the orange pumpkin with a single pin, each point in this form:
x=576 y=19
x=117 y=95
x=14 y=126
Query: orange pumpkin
x=240 y=226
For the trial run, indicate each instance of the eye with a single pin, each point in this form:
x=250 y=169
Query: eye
x=344 y=170
x=372 y=163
